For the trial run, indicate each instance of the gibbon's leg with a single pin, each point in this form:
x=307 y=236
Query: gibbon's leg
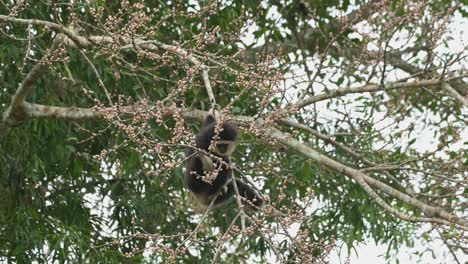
x=194 y=174
x=225 y=195
x=254 y=200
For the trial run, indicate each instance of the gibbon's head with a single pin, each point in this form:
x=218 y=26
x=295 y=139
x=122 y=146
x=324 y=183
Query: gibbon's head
x=226 y=140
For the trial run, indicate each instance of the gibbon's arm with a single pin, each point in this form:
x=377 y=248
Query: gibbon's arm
x=250 y=196
x=194 y=161
x=222 y=188
x=200 y=165
x=203 y=191
x=193 y=180
x=207 y=162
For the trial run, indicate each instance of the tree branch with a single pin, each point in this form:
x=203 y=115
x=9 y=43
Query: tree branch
x=15 y=113
x=367 y=88
x=345 y=148
x=364 y=180
x=80 y=41
x=455 y=94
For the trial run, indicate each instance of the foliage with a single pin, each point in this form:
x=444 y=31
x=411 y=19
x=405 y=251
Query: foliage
x=111 y=189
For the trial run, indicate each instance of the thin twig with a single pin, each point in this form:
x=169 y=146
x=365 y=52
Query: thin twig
x=194 y=232
x=101 y=83
x=269 y=242
x=239 y=203
x=221 y=243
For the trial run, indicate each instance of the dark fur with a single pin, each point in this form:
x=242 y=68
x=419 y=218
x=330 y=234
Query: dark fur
x=222 y=187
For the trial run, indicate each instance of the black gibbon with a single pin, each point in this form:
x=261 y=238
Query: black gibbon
x=200 y=165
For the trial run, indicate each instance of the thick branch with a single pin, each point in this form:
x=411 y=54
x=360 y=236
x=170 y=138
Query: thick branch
x=15 y=112
x=367 y=88
x=84 y=114
x=447 y=218
x=62 y=113
x=394 y=58
x=455 y=94
x=80 y=41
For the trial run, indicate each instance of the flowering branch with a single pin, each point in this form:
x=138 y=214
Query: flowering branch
x=437 y=215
